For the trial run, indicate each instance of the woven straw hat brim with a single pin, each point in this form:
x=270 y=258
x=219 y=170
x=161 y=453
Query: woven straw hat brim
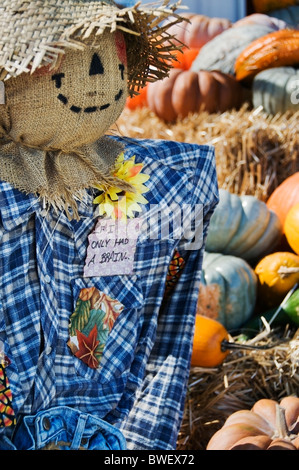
x=37 y=32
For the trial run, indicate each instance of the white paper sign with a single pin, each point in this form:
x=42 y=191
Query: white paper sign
x=111 y=247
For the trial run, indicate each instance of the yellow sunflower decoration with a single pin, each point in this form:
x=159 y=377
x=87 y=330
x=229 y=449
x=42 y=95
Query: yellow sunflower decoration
x=119 y=204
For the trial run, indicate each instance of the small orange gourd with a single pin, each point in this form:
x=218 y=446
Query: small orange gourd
x=275 y=49
x=291 y=228
x=277 y=274
x=211 y=343
x=209 y=335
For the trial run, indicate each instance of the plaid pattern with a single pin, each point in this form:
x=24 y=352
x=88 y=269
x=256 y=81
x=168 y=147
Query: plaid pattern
x=141 y=383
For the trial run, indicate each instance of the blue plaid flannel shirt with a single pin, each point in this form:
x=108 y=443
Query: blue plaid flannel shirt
x=141 y=384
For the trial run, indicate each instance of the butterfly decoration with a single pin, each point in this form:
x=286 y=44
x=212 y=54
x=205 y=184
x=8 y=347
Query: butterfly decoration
x=7 y=415
x=174 y=271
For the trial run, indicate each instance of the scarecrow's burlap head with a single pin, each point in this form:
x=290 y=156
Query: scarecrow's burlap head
x=67 y=67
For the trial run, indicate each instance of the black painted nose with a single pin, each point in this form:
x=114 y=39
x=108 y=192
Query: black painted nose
x=96 y=66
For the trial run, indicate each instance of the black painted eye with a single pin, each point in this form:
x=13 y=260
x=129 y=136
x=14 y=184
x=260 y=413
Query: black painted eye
x=57 y=78
x=96 y=66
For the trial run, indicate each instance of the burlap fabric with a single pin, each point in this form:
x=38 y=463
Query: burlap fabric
x=50 y=145
x=68 y=67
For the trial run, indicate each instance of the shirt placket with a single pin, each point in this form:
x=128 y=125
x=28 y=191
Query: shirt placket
x=44 y=390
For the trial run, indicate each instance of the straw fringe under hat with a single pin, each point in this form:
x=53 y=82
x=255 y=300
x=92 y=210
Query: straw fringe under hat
x=38 y=33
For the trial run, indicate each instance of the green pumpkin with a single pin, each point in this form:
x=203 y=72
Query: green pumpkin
x=291 y=307
x=221 y=52
x=242 y=226
x=276 y=89
x=228 y=290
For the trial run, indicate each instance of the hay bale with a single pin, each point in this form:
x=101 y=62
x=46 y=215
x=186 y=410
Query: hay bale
x=254 y=152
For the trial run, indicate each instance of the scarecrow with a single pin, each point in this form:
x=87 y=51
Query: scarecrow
x=99 y=263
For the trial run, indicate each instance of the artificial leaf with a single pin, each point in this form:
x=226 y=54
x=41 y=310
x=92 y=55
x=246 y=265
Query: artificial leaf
x=80 y=316
x=88 y=346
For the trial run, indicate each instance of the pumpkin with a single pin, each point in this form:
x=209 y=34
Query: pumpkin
x=185 y=91
x=228 y=290
x=264 y=6
x=269 y=425
x=222 y=51
x=275 y=49
x=212 y=343
x=242 y=226
x=260 y=18
x=137 y=101
x=276 y=90
x=289 y=14
x=284 y=197
x=291 y=228
x=291 y=307
x=197 y=30
x=185 y=58
x=209 y=335
x=277 y=273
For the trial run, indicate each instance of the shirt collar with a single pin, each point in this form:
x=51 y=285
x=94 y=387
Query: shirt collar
x=16 y=206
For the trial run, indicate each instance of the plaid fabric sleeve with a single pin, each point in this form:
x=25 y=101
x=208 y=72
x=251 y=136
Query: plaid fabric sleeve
x=156 y=416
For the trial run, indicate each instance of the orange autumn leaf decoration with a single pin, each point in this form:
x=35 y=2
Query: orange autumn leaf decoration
x=88 y=346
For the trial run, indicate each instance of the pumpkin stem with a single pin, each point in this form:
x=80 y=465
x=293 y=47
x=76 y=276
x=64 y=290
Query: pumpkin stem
x=285 y=271
x=228 y=345
x=281 y=424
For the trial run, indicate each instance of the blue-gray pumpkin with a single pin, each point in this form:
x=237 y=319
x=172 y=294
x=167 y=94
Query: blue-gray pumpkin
x=228 y=290
x=243 y=226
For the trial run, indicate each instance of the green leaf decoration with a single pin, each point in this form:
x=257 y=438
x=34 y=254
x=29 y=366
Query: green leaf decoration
x=80 y=316
x=96 y=317
x=103 y=336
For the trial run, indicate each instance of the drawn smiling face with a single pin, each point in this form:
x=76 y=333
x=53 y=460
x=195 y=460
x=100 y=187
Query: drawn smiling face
x=75 y=104
x=96 y=68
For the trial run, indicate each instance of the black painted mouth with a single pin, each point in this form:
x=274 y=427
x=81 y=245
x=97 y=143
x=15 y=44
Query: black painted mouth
x=96 y=67
x=90 y=109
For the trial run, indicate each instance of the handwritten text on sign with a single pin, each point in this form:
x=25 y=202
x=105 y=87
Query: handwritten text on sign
x=111 y=247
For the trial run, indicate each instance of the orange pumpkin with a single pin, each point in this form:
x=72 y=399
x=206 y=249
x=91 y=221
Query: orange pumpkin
x=277 y=274
x=291 y=228
x=185 y=58
x=263 y=6
x=269 y=425
x=137 y=101
x=197 y=30
x=208 y=337
x=275 y=49
x=284 y=197
x=185 y=91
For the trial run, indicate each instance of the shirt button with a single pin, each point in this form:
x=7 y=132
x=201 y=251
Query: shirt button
x=47 y=279
x=48 y=350
x=46 y=424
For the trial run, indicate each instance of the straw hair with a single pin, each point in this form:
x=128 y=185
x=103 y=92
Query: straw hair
x=37 y=33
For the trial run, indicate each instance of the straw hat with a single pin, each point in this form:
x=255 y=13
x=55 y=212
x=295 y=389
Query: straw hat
x=34 y=33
